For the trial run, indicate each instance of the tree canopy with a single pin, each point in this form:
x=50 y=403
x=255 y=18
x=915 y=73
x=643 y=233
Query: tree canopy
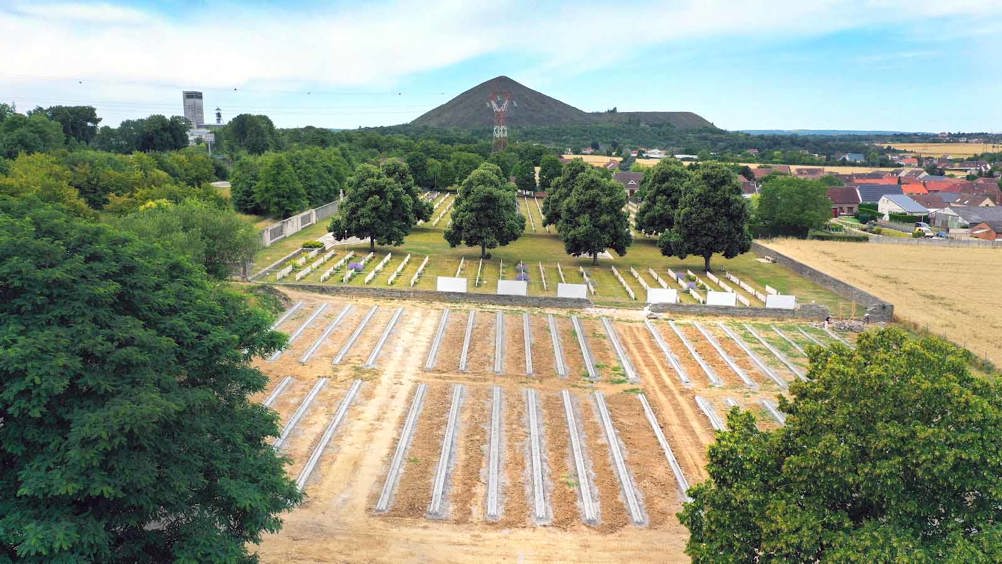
x=592 y=216
x=128 y=433
x=380 y=204
x=659 y=194
x=278 y=191
x=712 y=217
x=78 y=122
x=889 y=454
x=485 y=214
x=549 y=169
x=560 y=188
x=792 y=206
x=213 y=236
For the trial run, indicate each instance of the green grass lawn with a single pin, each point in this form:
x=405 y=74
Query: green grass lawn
x=540 y=248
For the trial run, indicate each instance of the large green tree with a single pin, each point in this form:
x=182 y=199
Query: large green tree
x=525 y=176
x=252 y=133
x=27 y=134
x=486 y=211
x=380 y=204
x=593 y=218
x=560 y=188
x=660 y=192
x=278 y=191
x=549 y=169
x=78 y=122
x=215 y=237
x=128 y=431
x=890 y=453
x=712 y=217
x=792 y=206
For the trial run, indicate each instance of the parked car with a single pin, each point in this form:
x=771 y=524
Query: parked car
x=942 y=235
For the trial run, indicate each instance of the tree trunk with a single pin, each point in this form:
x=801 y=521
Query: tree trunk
x=483 y=250
x=594 y=259
x=706 y=263
x=372 y=244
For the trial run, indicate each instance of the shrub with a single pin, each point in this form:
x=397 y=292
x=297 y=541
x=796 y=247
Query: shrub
x=918 y=234
x=831 y=236
x=312 y=245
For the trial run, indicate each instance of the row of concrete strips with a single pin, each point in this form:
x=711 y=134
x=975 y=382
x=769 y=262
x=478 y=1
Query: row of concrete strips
x=559 y=358
x=536 y=461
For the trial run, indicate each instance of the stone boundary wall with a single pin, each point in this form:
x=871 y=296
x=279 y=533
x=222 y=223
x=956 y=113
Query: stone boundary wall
x=804 y=311
x=428 y=295
x=878 y=309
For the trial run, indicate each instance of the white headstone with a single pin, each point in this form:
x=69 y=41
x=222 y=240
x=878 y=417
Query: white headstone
x=780 y=301
x=513 y=288
x=572 y=291
x=662 y=296
x=721 y=298
x=450 y=284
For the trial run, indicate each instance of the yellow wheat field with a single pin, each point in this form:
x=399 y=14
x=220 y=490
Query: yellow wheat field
x=947 y=290
x=948 y=149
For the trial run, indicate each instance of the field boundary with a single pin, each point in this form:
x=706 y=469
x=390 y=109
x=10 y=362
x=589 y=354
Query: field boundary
x=876 y=308
x=433 y=296
x=803 y=311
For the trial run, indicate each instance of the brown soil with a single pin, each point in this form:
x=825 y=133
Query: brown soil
x=481 y=356
x=466 y=495
x=564 y=494
x=414 y=489
x=514 y=345
x=645 y=459
x=543 y=362
x=603 y=355
x=613 y=514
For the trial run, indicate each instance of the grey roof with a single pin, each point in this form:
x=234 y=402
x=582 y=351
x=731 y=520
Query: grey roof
x=975 y=215
x=907 y=204
x=949 y=197
x=871 y=193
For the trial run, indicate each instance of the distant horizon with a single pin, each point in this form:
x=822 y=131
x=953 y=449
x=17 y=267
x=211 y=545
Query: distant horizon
x=897 y=65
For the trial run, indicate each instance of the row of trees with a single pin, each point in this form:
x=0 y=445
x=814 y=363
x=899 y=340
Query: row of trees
x=696 y=210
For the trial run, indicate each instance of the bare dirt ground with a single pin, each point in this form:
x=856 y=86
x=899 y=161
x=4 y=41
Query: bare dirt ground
x=942 y=290
x=338 y=521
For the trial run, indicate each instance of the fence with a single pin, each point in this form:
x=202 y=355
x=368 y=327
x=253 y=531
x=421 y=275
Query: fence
x=297 y=223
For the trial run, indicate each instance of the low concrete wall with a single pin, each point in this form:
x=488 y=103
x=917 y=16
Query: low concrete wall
x=878 y=309
x=805 y=311
x=427 y=295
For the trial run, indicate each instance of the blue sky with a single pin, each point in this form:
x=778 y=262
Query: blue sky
x=912 y=65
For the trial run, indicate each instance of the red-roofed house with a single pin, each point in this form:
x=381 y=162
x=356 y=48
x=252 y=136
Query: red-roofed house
x=845 y=200
x=947 y=185
x=913 y=188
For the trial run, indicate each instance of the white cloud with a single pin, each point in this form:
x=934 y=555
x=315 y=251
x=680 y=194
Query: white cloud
x=129 y=53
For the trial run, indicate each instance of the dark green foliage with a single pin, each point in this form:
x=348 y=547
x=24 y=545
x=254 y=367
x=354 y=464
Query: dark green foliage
x=313 y=244
x=78 y=122
x=278 y=191
x=889 y=454
x=128 y=434
x=190 y=165
x=525 y=176
x=243 y=179
x=155 y=133
x=380 y=204
x=322 y=172
x=789 y=206
x=27 y=134
x=592 y=218
x=549 y=169
x=486 y=211
x=252 y=133
x=212 y=236
x=659 y=195
x=712 y=217
x=560 y=188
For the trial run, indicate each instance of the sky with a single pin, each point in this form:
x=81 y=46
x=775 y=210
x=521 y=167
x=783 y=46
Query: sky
x=902 y=65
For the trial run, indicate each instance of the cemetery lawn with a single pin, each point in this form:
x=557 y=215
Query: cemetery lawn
x=536 y=248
